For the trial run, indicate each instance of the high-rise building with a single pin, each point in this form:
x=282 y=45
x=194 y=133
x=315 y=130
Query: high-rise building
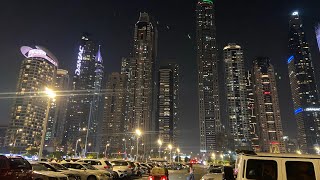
x=37 y=71
x=126 y=71
x=113 y=124
x=83 y=108
x=267 y=107
x=238 y=119
x=142 y=81
x=3 y=130
x=303 y=87
x=253 y=130
x=57 y=117
x=318 y=35
x=168 y=103
x=208 y=86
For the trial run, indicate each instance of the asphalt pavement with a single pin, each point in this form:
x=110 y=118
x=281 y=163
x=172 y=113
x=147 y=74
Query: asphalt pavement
x=199 y=171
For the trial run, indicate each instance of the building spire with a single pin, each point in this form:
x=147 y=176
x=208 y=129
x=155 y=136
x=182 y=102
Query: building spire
x=98 y=56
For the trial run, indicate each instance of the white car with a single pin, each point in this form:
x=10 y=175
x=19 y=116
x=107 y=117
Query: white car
x=72 y=174
x=102 y=164
x=43 y=173
x=121 y=166
x=91 y=172
x=214 y=174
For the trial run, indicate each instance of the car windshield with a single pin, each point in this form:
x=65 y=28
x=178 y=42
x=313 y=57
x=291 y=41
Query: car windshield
x=59 y=166
x=119 y=163
x=40 y=167
x=107 y=162
x=19 y=163
x=89 y=166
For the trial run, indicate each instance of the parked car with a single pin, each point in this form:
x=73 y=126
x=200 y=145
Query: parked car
x=102 y=164
x=72 y=175
x=15 y=167
x=251 y=165
x=214 y=173
x=91 y=172
x=133 y=167
x=159 y=173
x=139 y=169
x=146 y=167
x=122 y=166
x=40 y=172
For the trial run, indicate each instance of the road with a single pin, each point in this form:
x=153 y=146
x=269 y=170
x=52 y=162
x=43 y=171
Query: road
x=182 y=174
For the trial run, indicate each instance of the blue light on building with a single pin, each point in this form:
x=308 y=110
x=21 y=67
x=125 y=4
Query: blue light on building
x=297 y=111
x=290 y=59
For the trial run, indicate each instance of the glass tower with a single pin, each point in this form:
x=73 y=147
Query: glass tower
x=83 y=107
x=208 y=89
x=303 y=86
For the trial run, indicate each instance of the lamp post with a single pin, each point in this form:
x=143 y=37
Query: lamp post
x=125 y=147
x=213 y=156
x=76 y=147
x=105 y=153
x=16 y=136
x=88 y=128
x=51 y=95
x=178 y=151
x=138 y=133
x=170 y=148
x=160 y=144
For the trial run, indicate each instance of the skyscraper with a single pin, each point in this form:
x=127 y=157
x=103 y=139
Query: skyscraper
x=37 y=71
x=57 y=117
x=168 y=103
x=303 y=86
x=267 y=107
x=83 y=108
x=238 y=118
x=208 y=90
x=113 y=123
x=318 y=35
x=141 y=84
x=253 y=130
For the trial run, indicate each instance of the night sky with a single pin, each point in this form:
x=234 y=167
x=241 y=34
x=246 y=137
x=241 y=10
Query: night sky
x=260 y=27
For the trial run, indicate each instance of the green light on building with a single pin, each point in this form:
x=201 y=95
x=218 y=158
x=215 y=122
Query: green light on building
x=208 y=1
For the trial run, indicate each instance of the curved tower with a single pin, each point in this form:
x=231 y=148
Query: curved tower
x=37 y=71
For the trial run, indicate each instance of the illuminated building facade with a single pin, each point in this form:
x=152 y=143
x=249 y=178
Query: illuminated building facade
x=303 y=87
x=318 y=35
x=253 y=130
x=141 y=111
x=168 y=103
x=208 y=88
x=83 y=107
x=238 y=119
x=113 y=124
x=37 y=71
x=267 y=107
x=58 y=111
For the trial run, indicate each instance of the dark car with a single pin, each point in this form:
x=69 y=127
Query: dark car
x=15 y=168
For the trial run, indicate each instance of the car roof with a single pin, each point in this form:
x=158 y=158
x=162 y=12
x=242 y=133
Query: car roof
x=304 y=156
x=74 y=163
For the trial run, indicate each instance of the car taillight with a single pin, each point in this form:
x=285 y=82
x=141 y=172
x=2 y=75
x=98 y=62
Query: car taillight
x=163 y=178
x=106 y=167
x=151 y=178
x=129 y=167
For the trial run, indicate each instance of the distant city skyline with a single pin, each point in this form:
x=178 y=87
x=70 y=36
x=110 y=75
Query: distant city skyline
x=115 y=32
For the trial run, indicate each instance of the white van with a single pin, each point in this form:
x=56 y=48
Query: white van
x=267 y=166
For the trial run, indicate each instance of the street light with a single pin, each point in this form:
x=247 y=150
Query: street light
x=138 y=133
x=160 y=144
x=51 y=95
x=16 y=136
x=77 y=147
x=170 y=147
x=178 y=150
x=105 y=153
x=125 y=147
